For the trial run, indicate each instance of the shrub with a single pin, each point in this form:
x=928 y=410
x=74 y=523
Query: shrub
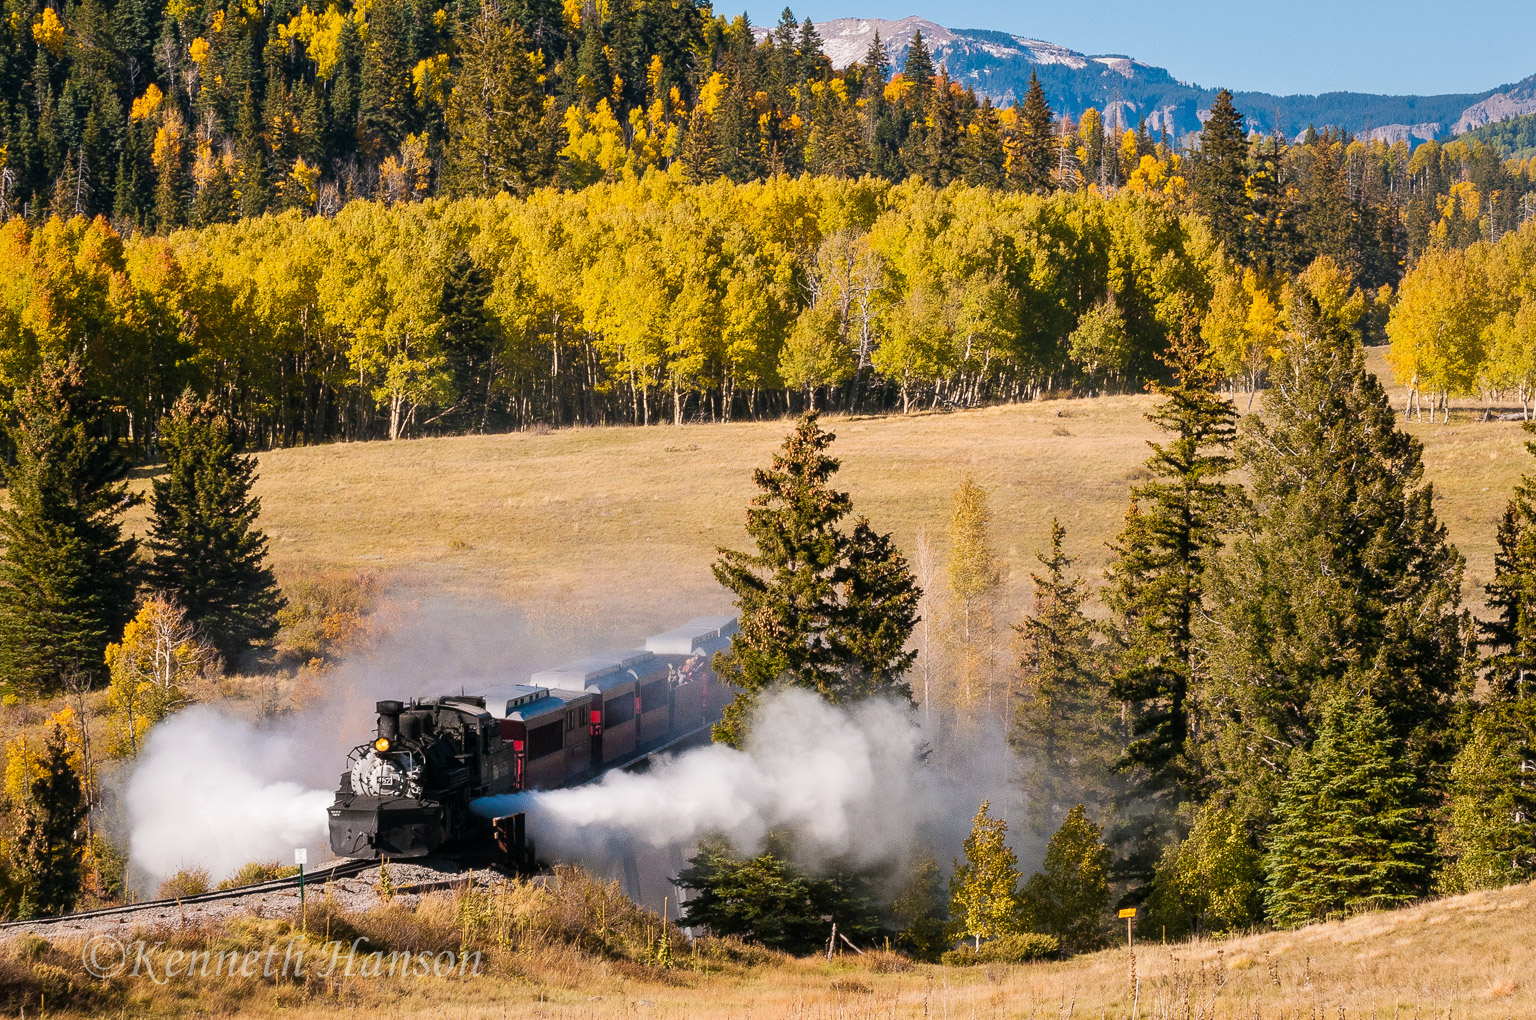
x=1021 y=948
x=254 y=872
x=324 y=615
x=186 y=882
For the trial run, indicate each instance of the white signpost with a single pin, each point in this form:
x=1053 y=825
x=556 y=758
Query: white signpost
x=301 y=858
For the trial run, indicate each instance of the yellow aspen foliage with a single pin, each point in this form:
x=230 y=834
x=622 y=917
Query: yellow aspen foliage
x=306 y=179
x=198 y=50
x=439 y=19
x=1154 y=176
x=146 y=105
x=48 y=31
x=168 y=139
x=984 y=892
x=430 y=79
x=217 y=25
x=321 y=35
x=975 y=578
x=897 y=89
x=571 y=11
x=157 y=668
x=711 y=91
x=23 y=767
x=1128 y=155
x=1436 y=329
x=595 y=143
x=406 y=177
x=1090 y=124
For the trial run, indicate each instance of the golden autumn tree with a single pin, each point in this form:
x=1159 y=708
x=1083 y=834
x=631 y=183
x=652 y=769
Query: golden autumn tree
x=156 y=669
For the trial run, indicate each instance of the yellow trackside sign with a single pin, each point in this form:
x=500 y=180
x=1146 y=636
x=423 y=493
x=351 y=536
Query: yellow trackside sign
x=1128 y=912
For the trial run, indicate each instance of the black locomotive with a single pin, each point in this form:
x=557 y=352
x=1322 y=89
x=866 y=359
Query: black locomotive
x=407 y=792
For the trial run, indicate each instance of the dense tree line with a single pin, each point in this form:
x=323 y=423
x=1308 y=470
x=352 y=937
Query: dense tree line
x=164 y=114
x=1464 y=323
x=637 y=302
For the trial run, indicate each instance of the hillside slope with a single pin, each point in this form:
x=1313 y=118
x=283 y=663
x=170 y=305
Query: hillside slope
x=619 y=525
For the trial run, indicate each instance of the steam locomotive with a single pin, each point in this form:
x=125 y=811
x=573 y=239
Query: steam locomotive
x=407 y=792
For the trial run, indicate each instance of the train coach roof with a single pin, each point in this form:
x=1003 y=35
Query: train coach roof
x=700 y=634
x=524 y=702
x=577 y=675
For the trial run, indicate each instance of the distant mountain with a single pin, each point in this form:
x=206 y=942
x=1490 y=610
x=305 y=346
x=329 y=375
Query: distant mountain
x=997 y=64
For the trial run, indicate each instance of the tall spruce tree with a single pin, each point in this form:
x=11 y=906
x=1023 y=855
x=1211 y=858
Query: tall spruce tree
x=820 y=608
x=67 y=577
x=1341 y=579
x=48 y=856
x=209 y=553
x=1156 y=582
x=1037 y=144
x=1350 y=832
x=1220 y=178
x=1064 y=725
x=495 y=112
x=1511 y=634
x=918 y=70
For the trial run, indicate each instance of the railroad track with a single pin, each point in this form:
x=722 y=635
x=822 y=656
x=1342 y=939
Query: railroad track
x=325 y=873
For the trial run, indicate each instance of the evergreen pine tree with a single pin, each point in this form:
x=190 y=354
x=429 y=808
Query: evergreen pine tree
x=700 y=156
x=1489 y=836
x=1069 y=896
x=984 y=889
x=918 y=71
x=819 y=608
x=921 y=910
x=49 y=846
x=981 y=149
x=937 y=159
x=384 y=110
x=494 y=113
x=880 y=601
x=1037 y=145
x=1156 y=582
x=1349 y=832
x=67 y=576
x=767 y=899
x=1064 y=725
x=1220 y=178
x=1342 y=579
x=1511 y=634
x=208 y=552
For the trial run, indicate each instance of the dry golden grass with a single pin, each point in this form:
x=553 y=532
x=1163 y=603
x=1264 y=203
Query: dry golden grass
x=618 y=526
x=1466 y=957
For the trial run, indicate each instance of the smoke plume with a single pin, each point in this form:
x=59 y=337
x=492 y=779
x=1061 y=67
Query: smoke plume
x=215 y=790
x=857 y=784
x=204 y=797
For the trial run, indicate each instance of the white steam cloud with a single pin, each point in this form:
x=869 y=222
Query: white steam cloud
x=855 y=784
x=204 y=797
x=214 y=790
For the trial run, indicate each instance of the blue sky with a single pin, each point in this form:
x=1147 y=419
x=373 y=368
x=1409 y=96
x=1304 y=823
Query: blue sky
x=1408 y=46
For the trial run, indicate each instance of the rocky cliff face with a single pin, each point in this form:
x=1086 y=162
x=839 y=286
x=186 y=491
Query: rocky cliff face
x=998 y=65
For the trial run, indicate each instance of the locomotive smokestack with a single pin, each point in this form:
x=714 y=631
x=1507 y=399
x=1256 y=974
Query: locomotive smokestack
x=389 y=719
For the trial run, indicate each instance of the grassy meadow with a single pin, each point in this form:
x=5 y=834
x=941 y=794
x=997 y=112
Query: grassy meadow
x=587 y=958
x=616 y=527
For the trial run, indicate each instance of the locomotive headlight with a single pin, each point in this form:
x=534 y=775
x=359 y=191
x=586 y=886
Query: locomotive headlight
x=381 y=745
